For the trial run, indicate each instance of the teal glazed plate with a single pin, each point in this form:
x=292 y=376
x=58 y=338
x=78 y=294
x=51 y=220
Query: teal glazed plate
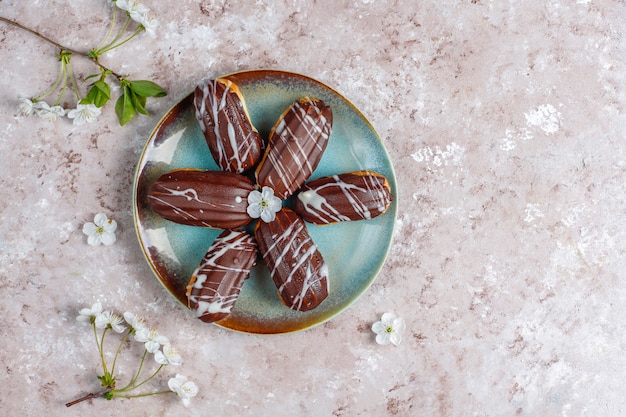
x=354 y=251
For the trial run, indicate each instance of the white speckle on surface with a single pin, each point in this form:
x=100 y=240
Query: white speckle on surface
x=513 y=137
x=452 y=154
x=545 y=117
x=532 y=212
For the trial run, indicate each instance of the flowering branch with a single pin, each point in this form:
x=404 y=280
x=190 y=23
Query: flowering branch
x=134 y=93
x=152 y=341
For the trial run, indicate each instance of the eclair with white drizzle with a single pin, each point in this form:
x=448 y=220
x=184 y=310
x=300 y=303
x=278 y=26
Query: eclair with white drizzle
x=359 y=195
x=216 y=283
x=202 y=198
x=294 y=262
x=295 y=146
x=221 y=112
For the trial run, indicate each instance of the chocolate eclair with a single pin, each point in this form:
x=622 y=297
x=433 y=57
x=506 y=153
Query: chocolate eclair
x=221 y=112
x=294 y=262
x=216 y=283
x=202 y=198
x=295 y=146
x=359 y=195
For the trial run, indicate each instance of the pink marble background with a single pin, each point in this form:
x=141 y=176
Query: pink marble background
x=505 y=122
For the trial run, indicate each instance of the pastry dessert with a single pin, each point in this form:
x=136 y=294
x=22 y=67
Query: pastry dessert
x=221 y=199
x=294 y=262
x=295 y=147
x=202 y=198
x=357 y=195
x=216 y=283
x=221 y=111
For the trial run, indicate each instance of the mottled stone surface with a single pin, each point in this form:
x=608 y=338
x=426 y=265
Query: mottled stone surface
x=505 y=122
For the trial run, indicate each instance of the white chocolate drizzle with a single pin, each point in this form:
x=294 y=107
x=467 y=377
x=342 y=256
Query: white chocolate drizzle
x=191 y=194
x=215 y=297
x=289 y=246
x=208 y=112
x=315 y=204
x=317 y=131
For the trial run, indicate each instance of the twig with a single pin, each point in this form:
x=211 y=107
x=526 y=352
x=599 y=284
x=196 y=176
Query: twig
x=58 y=45
x=89 y=396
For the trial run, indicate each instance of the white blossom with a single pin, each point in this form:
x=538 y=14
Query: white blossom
x=134 y=322
x=389 y=329
x=169 y=356
x=135 y=10
x=184 y=388
x=84 y=113
x=151 y=339
x=26 y=105
x=47 y=112
x=110 y=320
x=101 y=230
x=89 y=314
x=263 y=204
x=149 y=24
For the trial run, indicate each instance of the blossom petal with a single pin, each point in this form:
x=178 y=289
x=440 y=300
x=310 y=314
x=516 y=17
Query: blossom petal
x=254 y=196
x=110 y=226
x=254 y=210
x=388 y=318
x=268 y=215
x=382 y=338
x=274 y=204
x=89 y=228
x=100 y=219
x=399 y=325
x=267 y=193
x=107 y=238
x=395 y=338
x=379 y=327
x=94 y=239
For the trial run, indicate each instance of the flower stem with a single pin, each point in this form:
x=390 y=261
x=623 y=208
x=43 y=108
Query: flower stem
x=110 y=31
x=101 y=349
x=73 y=81
x=119 y=348
x=65 y=63
x=89 y=396
x=136 y=377
x=128 y=387
x=147 y=394
x=111 y=45
x=54 y=86
x=108 y=48
x=58 y=45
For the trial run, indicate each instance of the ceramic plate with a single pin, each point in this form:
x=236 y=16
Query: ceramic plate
x=354 y=251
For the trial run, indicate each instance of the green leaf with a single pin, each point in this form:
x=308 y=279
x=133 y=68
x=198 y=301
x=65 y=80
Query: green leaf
x=139 y=102
x=124 y=107
x=103 y=87
x=92 y=76
x=147 y=88
x=99 y=94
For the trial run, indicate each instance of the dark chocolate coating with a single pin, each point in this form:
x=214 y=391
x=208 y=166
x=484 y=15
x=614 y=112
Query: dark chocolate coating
x=216 y=283
x=233 y=141
x=357 y=195
x=296 y=145
x=202 y=198
x=294 y=262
